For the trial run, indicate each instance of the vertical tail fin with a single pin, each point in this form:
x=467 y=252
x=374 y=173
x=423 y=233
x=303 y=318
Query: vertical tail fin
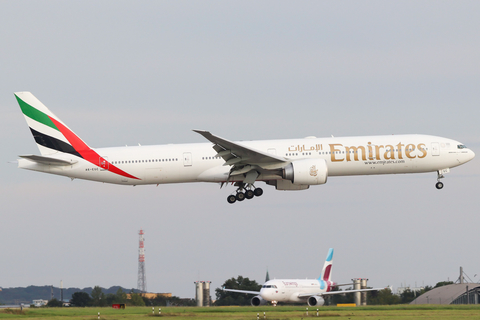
x=327 y=267
x=50 y=133
x=53 y=136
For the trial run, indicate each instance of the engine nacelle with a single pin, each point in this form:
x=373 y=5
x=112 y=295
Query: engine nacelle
x=315 y=301
x=258 y=301
x=306 y=171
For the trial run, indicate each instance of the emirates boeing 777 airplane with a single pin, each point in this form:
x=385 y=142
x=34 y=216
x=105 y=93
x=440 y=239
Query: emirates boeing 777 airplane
x=293 y=164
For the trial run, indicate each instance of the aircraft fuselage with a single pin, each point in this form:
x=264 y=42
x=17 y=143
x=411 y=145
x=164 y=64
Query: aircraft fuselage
x=344 y=156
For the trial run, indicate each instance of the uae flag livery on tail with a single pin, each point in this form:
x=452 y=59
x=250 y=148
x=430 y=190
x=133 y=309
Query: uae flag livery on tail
x=53 y=136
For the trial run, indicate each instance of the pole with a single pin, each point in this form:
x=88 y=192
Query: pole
x=61 y=292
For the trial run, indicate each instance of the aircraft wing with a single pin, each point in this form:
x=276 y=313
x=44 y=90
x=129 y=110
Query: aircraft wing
x=237 y=154
x=303 y=295
x=242 y=291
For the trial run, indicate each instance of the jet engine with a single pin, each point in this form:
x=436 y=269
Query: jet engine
x=306 y=171
x=258 y=301
x=315 y=301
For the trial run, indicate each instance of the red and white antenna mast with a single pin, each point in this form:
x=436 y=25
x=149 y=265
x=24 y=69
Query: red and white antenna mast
x=142 y=278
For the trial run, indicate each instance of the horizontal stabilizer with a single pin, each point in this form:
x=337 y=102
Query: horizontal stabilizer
x=49 y=160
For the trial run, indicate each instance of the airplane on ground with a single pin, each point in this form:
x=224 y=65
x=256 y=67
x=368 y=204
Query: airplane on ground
x=293 y=164
x=311 y=291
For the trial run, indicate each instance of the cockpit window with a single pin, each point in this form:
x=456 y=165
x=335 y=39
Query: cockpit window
x=461 y=146
x=269 y=286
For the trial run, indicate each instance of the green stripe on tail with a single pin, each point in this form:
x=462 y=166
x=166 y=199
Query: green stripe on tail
x=35 y=114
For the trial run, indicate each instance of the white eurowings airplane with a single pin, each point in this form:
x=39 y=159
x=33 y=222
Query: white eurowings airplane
x=293 y=164
x=311 y=291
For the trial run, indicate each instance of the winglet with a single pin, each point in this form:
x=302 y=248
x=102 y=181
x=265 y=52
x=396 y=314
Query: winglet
x=327 y=267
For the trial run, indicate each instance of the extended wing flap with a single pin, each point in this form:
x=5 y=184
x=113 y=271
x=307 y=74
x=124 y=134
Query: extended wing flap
x=48 y=160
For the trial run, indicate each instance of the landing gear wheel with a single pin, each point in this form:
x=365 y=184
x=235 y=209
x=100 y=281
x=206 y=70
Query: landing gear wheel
x=258 y=192
x=240 y=196
x=439 y=185
x=231 y=198
x=249 y=194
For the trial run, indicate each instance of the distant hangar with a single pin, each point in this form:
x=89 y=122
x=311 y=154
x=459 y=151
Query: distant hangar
x=457 y=293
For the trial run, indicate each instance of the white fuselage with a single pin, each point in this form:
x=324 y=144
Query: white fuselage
x=197 y=162
x=289 y=290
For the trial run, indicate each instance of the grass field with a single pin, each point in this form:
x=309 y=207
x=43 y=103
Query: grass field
x=271 y=313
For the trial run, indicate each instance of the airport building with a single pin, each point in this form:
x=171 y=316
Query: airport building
x=202 y=293
x=39 y=302
x=457 y=293
x=150 y=295
x=360 y=298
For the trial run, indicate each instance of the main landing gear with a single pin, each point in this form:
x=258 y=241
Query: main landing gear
x=243 y=194
x=439 y=185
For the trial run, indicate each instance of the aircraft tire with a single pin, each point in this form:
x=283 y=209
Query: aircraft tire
x=439 y=185
x=249 y=194
x=231 y=199
x=258 y=192
x=240 y=196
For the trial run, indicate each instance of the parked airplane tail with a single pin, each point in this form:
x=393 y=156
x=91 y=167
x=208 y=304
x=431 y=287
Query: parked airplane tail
x=327 y=267
x=50 y=133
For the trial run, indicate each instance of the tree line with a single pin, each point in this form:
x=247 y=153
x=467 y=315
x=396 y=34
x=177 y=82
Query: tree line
x=99 y=299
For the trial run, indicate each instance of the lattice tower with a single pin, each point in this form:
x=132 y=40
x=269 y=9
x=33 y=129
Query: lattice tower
x=142 y=278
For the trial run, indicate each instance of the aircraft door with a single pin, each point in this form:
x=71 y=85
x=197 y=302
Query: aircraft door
x=435 y=149
x=187 y=159
x=103 y=163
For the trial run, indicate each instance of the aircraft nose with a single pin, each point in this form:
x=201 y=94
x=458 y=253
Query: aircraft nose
x=471 y=155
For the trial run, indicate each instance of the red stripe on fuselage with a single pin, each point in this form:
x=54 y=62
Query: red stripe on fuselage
x=87 y=153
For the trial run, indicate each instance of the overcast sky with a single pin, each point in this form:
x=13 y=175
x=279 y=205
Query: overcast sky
x=127 y=72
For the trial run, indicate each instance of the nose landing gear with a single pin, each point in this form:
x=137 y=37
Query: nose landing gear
x=439 y=185
x=247 y=194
